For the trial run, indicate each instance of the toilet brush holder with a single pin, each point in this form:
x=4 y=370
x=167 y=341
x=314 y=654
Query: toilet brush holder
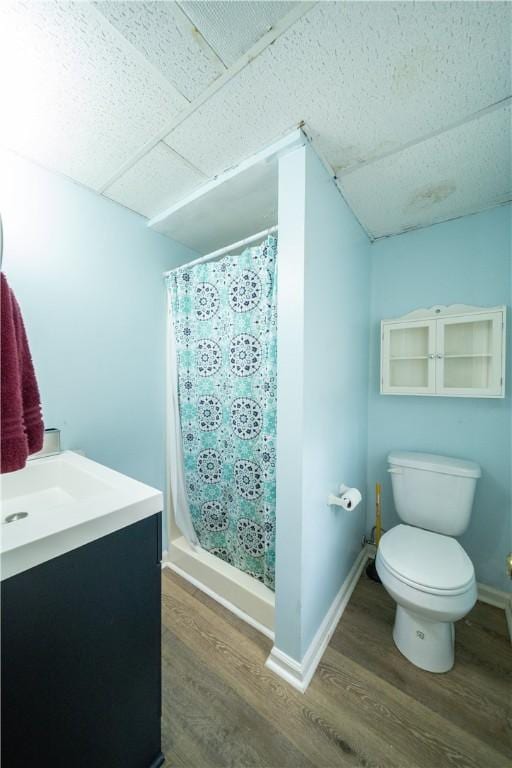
x=371 y=570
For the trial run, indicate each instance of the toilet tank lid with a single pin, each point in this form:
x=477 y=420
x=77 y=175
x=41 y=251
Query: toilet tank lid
x=430 y=462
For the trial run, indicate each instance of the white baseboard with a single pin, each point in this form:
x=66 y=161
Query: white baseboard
x=215 y=596
x=299 y=674
x=287 y=668
x=493 y=596
x=499 y=599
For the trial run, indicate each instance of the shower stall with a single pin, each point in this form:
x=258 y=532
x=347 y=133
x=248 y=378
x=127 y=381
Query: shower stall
x=222 y=375
x=262 y=420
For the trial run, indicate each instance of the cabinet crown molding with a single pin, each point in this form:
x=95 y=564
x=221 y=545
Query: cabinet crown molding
x=442 y=310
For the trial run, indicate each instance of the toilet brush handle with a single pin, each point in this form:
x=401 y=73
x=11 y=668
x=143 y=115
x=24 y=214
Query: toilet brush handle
x=378 y=520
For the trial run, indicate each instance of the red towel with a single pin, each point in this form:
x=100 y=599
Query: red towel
x=22 y=426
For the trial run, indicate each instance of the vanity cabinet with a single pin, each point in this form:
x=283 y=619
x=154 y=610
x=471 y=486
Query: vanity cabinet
x=81 y=676
x=455 y=351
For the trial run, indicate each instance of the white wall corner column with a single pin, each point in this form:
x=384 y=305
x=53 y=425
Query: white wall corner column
x=322 y=411
x=290 y=403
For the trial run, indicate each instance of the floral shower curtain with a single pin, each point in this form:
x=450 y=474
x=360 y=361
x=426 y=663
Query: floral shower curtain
x=224 y=315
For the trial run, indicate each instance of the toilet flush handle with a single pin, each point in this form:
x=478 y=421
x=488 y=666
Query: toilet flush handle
x=395 y=470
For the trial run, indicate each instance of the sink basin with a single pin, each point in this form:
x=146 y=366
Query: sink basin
x=42 y=485
x=61 y=502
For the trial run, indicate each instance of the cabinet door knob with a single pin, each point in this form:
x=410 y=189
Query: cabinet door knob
x=431 y=357
x=439 y=357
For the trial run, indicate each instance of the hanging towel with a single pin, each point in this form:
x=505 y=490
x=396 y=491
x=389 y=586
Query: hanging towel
x=20 y=418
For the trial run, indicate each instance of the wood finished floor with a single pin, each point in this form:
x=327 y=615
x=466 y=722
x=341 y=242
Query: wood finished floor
x=366 y=706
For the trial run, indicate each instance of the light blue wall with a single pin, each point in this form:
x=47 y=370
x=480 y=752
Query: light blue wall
x=323 y=375
x=87 y=274
x=467 y=261
x=336 y=334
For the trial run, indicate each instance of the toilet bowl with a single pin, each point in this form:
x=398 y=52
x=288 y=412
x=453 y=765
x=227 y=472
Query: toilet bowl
x=424 y=569
x=432 y=581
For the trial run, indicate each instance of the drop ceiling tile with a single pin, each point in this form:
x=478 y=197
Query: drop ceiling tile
x=155 y=182
x=365 y=77
x=453 y=174
x=76 y=96
x=232 y=28
x=163 y=33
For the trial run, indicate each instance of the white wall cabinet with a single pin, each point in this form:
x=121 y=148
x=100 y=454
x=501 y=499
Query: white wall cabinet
x=456 y=351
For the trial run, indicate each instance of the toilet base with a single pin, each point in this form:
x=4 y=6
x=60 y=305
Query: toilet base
x=427 y=644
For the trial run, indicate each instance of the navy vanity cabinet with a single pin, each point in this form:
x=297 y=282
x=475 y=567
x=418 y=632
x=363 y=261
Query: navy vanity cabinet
x=81 y=659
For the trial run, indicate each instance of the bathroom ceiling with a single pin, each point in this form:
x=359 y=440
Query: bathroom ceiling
x=409 y=103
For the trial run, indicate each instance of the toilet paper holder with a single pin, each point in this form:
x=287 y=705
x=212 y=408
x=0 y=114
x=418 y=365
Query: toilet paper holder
x=348 y=499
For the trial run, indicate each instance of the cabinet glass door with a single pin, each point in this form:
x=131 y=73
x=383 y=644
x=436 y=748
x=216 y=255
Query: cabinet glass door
x=408 y=358
x=468 y=355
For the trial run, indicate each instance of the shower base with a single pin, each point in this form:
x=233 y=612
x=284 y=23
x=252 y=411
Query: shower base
x=245 y=596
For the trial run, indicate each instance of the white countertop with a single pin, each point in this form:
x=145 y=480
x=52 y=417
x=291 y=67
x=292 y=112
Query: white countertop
x=70 y=501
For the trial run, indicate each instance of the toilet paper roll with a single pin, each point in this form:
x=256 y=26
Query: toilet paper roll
x=350 y=498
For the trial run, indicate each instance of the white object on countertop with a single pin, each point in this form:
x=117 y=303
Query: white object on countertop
x=348 y=499
x=51 y=444
x=70 y=501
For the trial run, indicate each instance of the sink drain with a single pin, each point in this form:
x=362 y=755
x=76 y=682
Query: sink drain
x=15 y=516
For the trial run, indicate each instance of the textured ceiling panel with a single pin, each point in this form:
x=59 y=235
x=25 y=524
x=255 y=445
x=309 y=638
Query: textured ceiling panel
x=155 y=182
x=366 y=78
x=232 y=28
x=227 y=213
x=86 y=87
x=167 y=38
x=76 y=96
x=458 y=172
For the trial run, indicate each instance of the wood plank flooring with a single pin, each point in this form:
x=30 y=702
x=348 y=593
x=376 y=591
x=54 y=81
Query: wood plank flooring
x=366 y=706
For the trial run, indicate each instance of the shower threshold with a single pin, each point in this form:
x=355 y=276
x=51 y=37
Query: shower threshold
x=240 y=593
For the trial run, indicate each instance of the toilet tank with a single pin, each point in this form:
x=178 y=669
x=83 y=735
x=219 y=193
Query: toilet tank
x=433 y=492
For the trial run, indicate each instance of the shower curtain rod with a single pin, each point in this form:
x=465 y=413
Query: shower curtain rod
x=226 y=249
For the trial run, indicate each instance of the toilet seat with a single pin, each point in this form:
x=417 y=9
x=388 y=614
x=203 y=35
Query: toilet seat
x=427 y=561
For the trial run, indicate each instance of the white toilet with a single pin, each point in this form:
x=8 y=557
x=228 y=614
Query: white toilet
x=425 y=571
